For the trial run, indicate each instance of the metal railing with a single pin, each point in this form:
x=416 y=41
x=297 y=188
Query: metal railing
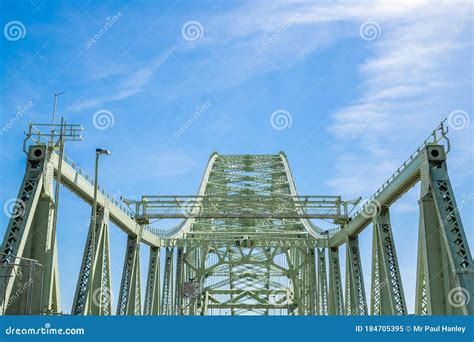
x=244 y=206
x=438 y=134
x=118 y=203
x=72 y=133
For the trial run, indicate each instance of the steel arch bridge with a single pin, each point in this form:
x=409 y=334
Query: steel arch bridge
x=247 y=243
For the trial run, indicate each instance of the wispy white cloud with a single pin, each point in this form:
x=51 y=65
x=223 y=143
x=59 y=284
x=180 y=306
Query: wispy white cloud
x=132 y=82
x=415 y=77
x=416 y=73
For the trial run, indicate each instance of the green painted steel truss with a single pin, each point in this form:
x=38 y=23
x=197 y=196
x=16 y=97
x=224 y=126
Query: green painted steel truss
x=247 y=245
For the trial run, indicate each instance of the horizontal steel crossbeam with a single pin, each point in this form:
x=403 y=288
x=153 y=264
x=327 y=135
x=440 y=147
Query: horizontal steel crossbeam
x=284 y=206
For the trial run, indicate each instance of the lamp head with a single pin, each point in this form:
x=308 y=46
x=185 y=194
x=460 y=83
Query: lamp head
x=102 y=151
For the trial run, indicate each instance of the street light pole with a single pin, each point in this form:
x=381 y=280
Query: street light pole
x=98 y=152
x=54 y=115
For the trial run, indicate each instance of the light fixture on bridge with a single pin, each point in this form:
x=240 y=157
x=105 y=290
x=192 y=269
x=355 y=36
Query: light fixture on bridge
x=102 y=151
x=98 y=153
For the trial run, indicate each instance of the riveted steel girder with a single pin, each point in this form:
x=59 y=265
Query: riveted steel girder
x=29 y=236
x=387 y=297
x=129 y=299
x=167 y=299
x=445 y=276
x=152 y=293
x=356 y=303
x=322 y=283
x=99 y=301
x=336 y=300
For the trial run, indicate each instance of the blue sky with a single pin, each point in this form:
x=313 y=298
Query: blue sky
x=361 y=84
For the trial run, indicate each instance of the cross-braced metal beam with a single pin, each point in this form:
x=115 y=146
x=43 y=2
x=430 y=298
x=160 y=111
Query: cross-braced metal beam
x=355 y=291
x=29 y=236
x=322 y=283
x=445 y=276
x=152 y=293
x=99 y=301
x=387 y=297
x=336 y=301
x=167 y=299
x=129 y=299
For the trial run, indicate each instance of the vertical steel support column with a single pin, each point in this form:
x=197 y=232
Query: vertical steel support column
x=192 y=267
x=99 y=301
x=297 y=281
x=29 y=235
x=316 y=301
x=167 y=297
x=301 y=282
x=129 y=302
x=322 y=283
x=356 y=303
x=231 y=285
x=304 y=283
x=430 y=271
x=152 y=293
x=196 y=274
x=387 y=290
x=313 y=293
x=267 y=280
x=445 y=276
x=336 y=303
x=178 y=292
x=376 y=283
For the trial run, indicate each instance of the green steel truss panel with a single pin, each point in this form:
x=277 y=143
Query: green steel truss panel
x=99 y=302
x=29 y=237
x=167 y=298
x=247 y=244
x=129 y=300
x=445 y=275
x=387 y=296
x=355 y=291
x=322 y=283
x=335 y=301
x=152 y=293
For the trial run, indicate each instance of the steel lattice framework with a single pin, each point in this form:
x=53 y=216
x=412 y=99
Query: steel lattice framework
x=247 y=243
